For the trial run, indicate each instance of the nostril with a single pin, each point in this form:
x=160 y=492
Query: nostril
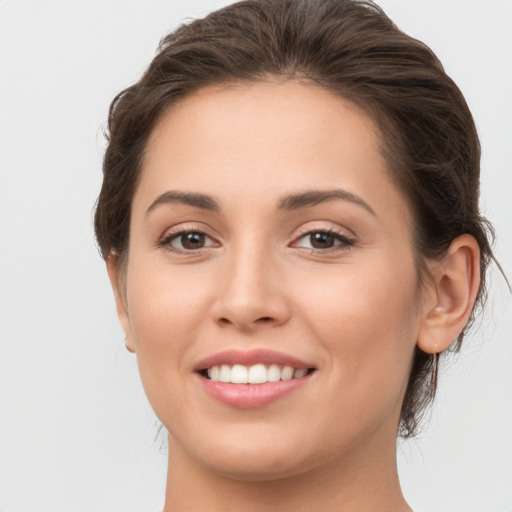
x=245 y=321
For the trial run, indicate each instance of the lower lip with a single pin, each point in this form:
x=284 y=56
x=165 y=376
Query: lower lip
x=247 y=396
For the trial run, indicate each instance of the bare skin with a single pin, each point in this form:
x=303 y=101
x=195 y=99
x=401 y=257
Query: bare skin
x=228 y=251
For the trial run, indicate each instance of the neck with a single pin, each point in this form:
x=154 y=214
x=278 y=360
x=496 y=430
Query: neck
x=357 y=483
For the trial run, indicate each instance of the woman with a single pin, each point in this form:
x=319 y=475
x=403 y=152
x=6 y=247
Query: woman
x=289 y=217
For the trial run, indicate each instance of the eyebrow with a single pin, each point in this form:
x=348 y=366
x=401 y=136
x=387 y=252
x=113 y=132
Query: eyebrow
x=314 y=197
x=201 y=201
x=289 y=202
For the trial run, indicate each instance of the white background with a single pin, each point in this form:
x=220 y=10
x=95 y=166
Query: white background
x=76 y=433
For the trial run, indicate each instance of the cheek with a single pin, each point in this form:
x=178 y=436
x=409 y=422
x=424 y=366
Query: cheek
x=367 y=323
x=164 y=309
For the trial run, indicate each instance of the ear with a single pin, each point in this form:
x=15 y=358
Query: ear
x=453 y=289
x=118 y=287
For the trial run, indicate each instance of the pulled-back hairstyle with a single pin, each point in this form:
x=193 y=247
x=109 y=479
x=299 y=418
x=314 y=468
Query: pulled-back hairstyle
x=351 y=48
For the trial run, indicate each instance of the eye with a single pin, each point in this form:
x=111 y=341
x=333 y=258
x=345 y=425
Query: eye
x=323 y=240
x=187 y=241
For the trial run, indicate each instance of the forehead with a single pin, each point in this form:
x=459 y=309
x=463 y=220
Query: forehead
x=282 y=113
x=244 y=141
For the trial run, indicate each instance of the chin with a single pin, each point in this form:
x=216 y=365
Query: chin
x=254 y=466
x=255 y=452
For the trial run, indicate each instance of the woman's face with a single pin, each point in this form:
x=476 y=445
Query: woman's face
x=268 y=240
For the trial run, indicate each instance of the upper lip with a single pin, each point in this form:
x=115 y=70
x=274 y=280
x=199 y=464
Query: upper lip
x=249 y=358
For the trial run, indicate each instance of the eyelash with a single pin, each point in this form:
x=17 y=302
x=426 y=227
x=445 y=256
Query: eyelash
x=168 y=239
x=344 y=242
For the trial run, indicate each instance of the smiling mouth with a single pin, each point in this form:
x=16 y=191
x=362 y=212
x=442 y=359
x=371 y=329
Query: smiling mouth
x=254 y=374
x=251 y=379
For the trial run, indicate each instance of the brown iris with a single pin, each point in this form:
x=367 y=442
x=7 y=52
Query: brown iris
x=193 y=240
x=322 y=240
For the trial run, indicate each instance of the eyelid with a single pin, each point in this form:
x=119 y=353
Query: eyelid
x=345 y=241
x=174 y=233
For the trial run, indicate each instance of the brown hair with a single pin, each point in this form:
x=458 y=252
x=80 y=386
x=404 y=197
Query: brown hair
x=353 y=49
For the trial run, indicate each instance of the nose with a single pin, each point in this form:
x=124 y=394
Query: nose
x=250 y=294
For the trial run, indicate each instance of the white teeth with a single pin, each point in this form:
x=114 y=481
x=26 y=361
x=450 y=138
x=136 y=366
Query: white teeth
x=287 y=373
x=300 y=373
x=273 y=373
x=225 y=373
x=214 y=373
x=239 y=374
x=255 y=374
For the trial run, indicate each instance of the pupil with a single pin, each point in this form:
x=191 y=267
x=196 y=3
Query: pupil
x=322 y=240
x=192 y=240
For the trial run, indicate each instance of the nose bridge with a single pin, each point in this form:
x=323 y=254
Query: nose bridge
x=250 y=295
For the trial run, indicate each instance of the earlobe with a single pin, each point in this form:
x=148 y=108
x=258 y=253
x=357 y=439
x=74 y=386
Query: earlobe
x=455 y=283
x=120 y=298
